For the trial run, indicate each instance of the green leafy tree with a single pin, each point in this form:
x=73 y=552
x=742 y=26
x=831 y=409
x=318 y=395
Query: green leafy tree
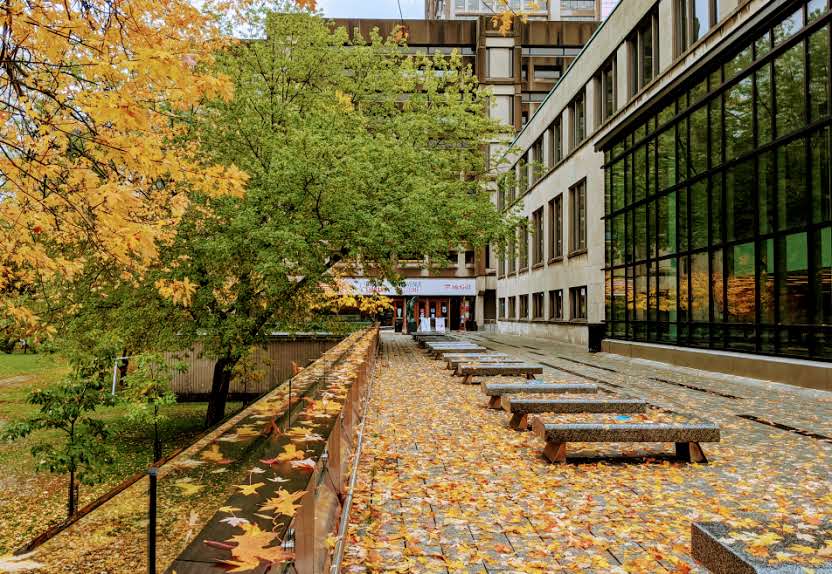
x=147 y=390
x=83 y=453
x=356 y=152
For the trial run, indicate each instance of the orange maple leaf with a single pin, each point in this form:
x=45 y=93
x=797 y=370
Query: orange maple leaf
x=284 y=502
x=252 y=548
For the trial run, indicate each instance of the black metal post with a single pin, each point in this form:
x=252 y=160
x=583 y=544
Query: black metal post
x=151 y=526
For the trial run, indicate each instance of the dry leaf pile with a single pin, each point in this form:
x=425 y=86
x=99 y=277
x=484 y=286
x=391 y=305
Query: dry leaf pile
x=445 y=486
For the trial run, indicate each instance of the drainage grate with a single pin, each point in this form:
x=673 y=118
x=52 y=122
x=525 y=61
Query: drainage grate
x=786 y=428
x=583 y=376
x=587 y=364
x=693 y=388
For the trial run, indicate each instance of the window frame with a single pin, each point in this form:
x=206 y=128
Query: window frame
x=577 y=218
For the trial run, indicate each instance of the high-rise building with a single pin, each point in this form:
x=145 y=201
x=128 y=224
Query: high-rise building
x=520 y=68
x=678 y=190
x=531 y=9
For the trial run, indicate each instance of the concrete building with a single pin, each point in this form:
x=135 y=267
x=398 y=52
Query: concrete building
x=520 y=68
x=677 y=186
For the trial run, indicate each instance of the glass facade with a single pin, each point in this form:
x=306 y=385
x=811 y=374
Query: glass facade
x=719 y=203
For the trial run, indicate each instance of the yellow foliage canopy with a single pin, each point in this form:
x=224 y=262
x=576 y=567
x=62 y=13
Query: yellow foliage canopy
x=94 y=165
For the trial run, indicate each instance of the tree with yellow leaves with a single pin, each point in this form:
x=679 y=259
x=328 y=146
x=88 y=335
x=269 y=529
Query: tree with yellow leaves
x=95 y=168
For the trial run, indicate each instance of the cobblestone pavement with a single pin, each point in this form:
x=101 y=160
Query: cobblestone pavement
x=445 y=486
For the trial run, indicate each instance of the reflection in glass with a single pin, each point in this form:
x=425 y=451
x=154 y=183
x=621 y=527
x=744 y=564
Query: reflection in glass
x=738 y=119
x=791 y=184
x=819 y=74
x=699 y=279
x=788 y=90
x=740 y=283
x=765 y=118
x=699 y=214
x=794 y=279
x=667 y=224
x=821 y=198
x=739 y=197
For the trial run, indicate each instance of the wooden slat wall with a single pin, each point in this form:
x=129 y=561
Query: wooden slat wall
x=275 y=358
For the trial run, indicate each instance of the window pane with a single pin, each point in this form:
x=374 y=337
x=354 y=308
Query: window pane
x=738 y=63
x=682 y=149
x=667 y=160
x=699 y=141
x=767 y=276
x=684 y=290
x=681 y=26
x=647 y=52
x=667 y=292
x=766 y=193
x=717 y=286
x=716 y=210
x=738 y=123
x=819 y=74
x=815 y=8
x=682 y=210
x=788 y=26
x=700 y=279
x=640 y=175
x=641 y=233
x=740 y=279
x=739 y=197
x=667 y=224
x=699 y=214
x=821 y=195
x=794 y=279
x=716 y=131
x=640 y=310
x=788 y=89
x=792 y=184
x=823 y=281
x=764 y=116
x=701 y=18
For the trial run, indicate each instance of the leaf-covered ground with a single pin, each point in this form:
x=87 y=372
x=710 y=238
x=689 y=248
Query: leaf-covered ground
x=445 y=486
x=29 y=502
x=197 y=484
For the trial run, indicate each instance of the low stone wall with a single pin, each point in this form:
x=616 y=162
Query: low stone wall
x=803 y=373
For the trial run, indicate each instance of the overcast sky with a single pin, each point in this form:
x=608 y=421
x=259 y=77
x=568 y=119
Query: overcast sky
x=372 y=8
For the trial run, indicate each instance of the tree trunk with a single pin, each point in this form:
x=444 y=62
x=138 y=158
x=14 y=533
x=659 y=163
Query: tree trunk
x=72 y=503
x=123 y=365
x=220 y=383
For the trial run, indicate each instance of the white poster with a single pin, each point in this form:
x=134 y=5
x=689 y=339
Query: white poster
x=424 y=324
x=440 y=324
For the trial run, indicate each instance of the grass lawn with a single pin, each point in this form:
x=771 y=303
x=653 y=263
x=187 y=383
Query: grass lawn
x=31 y=502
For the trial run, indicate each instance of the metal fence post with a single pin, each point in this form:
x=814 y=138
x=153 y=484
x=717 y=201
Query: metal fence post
x=151 y=526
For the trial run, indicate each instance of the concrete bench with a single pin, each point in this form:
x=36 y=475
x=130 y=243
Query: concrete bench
x=423 y=338
x=496 y=391
x=521 y=407
x=469 y=371
x=709 y=548
x=439 y=350
x=685 y=436
x=455 y=359
x=450 y=345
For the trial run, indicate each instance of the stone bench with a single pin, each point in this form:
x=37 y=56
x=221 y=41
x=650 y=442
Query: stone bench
x=455 y=359
x=496 y=391
x=710 y=547
x=423 y=338
x=521 y=407
x=439 y=350
x=469 y=371
x=685 y=436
